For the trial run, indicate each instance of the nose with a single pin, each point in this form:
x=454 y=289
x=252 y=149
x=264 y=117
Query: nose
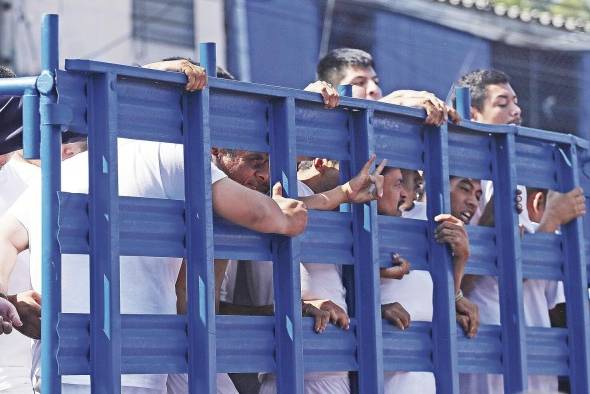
x=403 y=195
x=262 y=175
x=516 y=111
x=471 y=202
x=373 y=91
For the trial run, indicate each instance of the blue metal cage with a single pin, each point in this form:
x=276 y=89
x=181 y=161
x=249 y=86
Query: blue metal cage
x=107 y=101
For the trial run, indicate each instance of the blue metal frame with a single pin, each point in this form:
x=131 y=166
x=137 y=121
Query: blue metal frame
x=108 y=101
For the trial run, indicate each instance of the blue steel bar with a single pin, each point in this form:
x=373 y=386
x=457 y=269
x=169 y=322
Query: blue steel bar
x=576 y=282
x=463 y=102
x=286 y=254
x=31 y=124
x=345 y=90
x=51 y=184
x=366 y=266
x=509 y=265
x=444 y=329
x=103 y=209
x=207 y=58
x=17 y=86
x=199 y=241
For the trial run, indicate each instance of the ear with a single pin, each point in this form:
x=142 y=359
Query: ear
x=474 y=114
x=318 y=163
x=67 y=151
x=539 y=202
x=215 y=151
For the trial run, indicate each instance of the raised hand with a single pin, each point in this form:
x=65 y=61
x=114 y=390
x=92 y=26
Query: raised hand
x=365 y=186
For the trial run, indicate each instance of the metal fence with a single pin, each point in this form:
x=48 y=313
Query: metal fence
x=109 y=101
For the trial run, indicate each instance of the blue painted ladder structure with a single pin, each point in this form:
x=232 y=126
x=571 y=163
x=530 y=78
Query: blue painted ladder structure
x=109 y=101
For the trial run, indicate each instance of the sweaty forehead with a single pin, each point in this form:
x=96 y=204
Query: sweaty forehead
x=502 y=89
x=474 y=183
x=353 y=72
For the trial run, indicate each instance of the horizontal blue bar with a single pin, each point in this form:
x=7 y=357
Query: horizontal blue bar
x=16 y=86
x=333 y=350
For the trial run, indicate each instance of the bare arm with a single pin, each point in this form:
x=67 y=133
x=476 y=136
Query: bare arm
x=364 y=187
x=257 y=211
x=562 y=208
x=436 y=110
x=13 y=240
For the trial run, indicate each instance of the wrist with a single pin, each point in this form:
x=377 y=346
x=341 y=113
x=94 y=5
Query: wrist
x=459 y=295
x=346 y=191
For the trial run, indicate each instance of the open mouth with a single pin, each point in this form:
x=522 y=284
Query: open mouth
x=465 y=216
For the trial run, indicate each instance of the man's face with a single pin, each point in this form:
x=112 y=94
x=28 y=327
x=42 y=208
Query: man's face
x=364 y=81
x=499 y=107
x=411 y=183
x=393 y=193
x=246 y=168
x=465 y=196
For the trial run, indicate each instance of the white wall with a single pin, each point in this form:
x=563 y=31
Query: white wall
x=100 y=30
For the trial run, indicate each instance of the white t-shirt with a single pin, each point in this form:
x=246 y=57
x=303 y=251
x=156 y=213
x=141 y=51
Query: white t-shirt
x=146 y=169
x=15 y=358
x=414 y=293
x=318 y=281
x=538 y=297
x=487 y=194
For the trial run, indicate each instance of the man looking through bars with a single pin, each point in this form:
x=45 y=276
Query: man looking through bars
x=415 y=290
x=149 y=169
x=494 y=101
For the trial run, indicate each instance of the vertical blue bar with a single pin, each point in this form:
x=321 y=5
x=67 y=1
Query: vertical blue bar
x=199 y=242
x=576 y=283
x=366 y=269
x=51 y=184
x=444 y=328
x=207 y=58
x=31 y=124
x=463 y=102
x=509 y=264
x=103 y=209
x=345 y=90
x=286 y=275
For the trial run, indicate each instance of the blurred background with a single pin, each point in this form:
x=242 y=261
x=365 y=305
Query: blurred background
x=544 y=45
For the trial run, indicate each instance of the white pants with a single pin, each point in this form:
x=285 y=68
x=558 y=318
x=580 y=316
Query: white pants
x=84 y=389
x=316 y=385
x=178 y=384
x=409 y=383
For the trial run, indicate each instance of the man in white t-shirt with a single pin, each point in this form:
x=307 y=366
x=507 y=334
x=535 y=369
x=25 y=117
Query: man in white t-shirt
x=15 y=177
x=415 y=291
x=146 y=169
x=321 y=283
x=494 y=101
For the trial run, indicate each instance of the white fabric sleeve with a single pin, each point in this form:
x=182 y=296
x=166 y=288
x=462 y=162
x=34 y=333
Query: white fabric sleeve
x=216 y=174
x=27 y=208
x=554 y=293
x=228 y=285
x=171 y=157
